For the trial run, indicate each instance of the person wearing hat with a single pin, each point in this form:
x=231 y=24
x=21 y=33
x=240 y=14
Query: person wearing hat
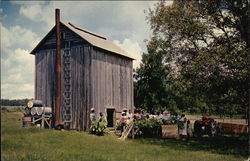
x=123 y=121
x=125 y=110
x=92 y=115
x=166 y=115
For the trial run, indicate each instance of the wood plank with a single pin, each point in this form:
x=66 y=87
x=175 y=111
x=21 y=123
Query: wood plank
x=83 y=89
x=38 y=92
x=53 y=80
x=89 y=86
x=82 y=82
x=47 y=91
x=131 y=86
x=105 y=83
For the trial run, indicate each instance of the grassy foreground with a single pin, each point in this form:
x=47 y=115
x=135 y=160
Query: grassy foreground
x=26 y=144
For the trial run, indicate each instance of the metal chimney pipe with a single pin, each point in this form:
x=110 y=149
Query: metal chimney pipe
x=58 y=70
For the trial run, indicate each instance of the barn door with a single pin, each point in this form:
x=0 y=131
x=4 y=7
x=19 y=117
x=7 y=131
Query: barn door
x=111 y=117
x=66 y=85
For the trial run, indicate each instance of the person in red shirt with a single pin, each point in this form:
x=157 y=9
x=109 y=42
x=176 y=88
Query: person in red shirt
x=123 y=121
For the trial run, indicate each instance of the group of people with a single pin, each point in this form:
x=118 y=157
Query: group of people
x=93 y=117
x=184 y=131
x=166 y=115
x=127 y=116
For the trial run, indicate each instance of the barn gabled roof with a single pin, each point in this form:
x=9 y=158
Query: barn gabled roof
x=91 y=37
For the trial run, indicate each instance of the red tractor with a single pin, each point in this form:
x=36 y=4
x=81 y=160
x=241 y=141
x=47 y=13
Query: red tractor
x=205 y=126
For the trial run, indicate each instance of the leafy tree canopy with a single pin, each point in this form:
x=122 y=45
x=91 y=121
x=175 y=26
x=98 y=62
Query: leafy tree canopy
x=203 y=47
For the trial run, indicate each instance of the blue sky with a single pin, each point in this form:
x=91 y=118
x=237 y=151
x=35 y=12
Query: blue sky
x=24 y=24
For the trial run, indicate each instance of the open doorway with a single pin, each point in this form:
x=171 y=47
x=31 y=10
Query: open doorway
x=110 y=117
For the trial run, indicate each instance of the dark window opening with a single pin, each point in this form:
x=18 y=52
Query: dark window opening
x=110 y=117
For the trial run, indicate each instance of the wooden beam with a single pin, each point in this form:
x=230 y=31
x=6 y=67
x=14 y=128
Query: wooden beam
x=58 y=70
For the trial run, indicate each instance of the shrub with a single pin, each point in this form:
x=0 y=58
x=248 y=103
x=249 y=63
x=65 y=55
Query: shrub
x=152 y=127
x=118 y=125
x=99 y=128
x=149 y=128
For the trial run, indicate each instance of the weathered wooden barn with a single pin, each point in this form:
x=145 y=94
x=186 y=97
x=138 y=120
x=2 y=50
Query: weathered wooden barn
x=95 y=73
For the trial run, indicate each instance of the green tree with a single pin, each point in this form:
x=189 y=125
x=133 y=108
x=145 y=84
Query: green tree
x=204 y=48
x=150 y=86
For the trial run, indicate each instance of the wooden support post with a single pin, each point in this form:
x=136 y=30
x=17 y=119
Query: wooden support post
x=42 y=121
x=58 y=70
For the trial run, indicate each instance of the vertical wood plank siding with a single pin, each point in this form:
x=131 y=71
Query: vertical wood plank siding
x=45 y=77
x=111 y=81
x=99 y=78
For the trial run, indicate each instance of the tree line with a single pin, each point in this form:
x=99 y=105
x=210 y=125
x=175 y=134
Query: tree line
x=14 y=102
x=197 y=58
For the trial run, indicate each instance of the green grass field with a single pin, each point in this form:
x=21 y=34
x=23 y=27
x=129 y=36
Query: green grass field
x=33 y=143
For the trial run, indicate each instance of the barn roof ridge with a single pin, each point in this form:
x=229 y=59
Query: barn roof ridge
x=87 y=31
x=92 y=38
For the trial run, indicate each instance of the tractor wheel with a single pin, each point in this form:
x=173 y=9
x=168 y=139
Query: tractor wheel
x=197 y=129
x=212 y=128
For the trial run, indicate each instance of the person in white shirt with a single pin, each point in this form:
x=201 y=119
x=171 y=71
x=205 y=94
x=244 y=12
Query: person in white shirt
x=92 y=115
x=129 y=117
x=129 y=114
x=166 y=115
x=183 y=131
x=159 y=116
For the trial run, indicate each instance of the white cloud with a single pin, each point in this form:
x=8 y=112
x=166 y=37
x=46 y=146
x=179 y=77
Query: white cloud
x=17 y=65
x=18 y=37
x=38 y=12
x=22 y=91
x=17 y=72
x=116 y=20
x=132 y=48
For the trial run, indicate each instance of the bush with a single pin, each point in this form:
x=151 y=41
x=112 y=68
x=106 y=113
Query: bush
x=118 y=125
x=152 y=127
x=149 y=128
x=148 y=123
x=99 y=128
